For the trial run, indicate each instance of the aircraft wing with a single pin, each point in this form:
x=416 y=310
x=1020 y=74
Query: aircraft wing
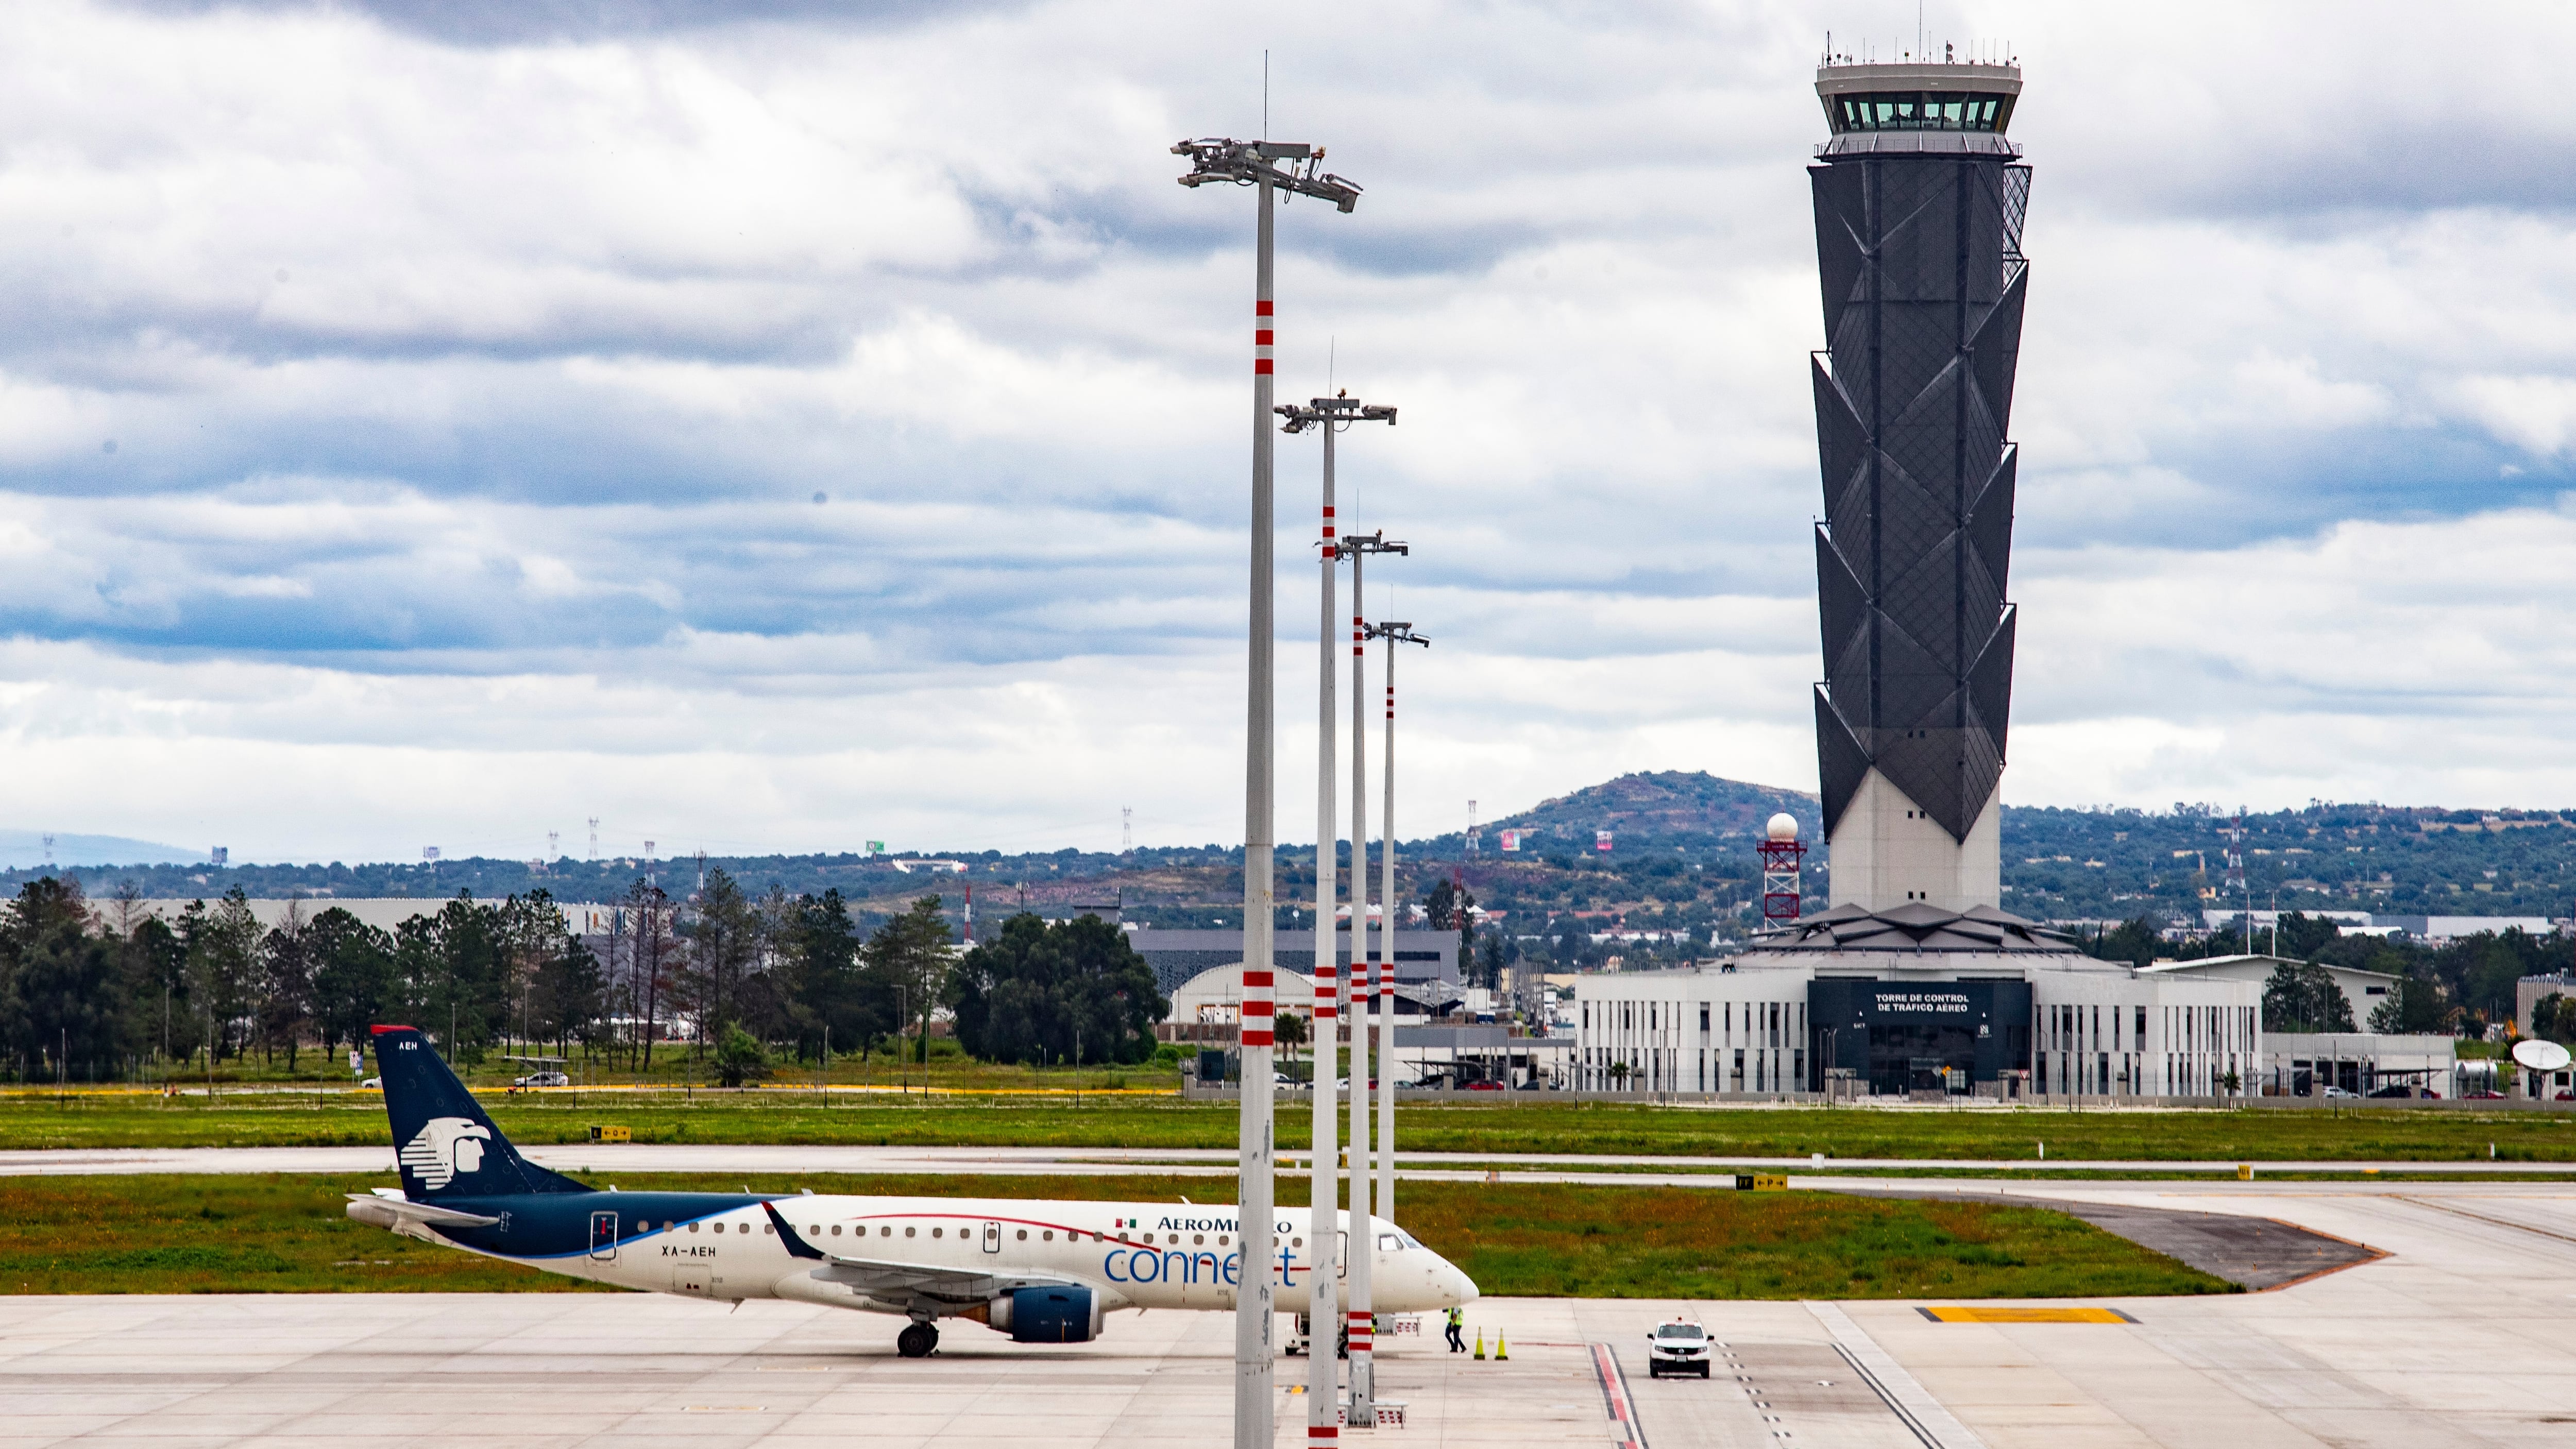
x=387 y=1212
x=880 y=1279
x=888 y=1278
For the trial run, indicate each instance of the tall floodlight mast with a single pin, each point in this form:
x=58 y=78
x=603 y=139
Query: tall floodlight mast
x=1328 y=414
x=1363 y=1312
x=1918 y=208
x=1333 y=416
x=1257 y=164
x=1393 y=633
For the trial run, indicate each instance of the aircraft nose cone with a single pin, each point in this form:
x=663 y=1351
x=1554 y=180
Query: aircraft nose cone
x=1456 y=1285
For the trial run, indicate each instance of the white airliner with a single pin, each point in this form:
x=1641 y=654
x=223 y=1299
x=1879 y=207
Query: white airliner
x=1040 y=1271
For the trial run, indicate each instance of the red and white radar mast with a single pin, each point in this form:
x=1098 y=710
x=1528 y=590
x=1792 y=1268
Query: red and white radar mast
x=1781 y=850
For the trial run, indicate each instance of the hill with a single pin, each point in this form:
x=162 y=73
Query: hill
x=1682 y=861
x=1663 y=808
x=24 y=848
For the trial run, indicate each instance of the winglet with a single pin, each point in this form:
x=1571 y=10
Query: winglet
x=796 y=1247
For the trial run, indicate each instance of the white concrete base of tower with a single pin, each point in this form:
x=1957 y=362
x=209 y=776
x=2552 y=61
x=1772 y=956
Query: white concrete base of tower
x=1887 y=851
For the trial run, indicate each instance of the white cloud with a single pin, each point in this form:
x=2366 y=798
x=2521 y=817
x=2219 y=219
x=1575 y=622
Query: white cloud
x=469 y=395
x=2536 y=414
x=2391 y=661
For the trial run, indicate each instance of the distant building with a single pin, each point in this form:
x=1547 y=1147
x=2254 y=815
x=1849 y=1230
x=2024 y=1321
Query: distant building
x=1178 y=956
x=1434 y=1044
x=2530 y=991
x=2431 y=930
x=2364 y=991
x=2442 y=930
x=2302 y=1064
x=1207 y=1008
x=1969 y=1005
x=2264 y=920
x=382 y=912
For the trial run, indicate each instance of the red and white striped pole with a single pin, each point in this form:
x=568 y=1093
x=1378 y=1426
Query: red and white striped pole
x=1323 y=1303
x=1385 y=1206
x=1363 y=1237
x=1323 y=1322
x=1256 y=1301
x=1226 y=161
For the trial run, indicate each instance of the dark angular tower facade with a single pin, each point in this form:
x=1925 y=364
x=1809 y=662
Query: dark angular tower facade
x=1919 y=200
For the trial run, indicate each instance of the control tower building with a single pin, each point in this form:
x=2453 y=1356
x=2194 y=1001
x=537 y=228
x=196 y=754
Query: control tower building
x=1914 y=981
x=1918 y=203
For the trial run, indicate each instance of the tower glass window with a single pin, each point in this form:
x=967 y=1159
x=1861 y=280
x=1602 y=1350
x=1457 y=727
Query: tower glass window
x=1921 y=111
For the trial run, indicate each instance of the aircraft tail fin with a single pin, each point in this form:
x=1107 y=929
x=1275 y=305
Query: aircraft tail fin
x=444 y=1143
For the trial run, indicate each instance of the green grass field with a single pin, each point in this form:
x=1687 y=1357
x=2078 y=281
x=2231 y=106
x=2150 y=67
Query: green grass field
x=287 y=1234
x=2389 y=1133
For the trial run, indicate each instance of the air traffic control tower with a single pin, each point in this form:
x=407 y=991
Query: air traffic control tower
x=1919 y=201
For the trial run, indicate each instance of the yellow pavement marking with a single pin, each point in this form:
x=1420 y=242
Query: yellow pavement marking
x=1961 y=1314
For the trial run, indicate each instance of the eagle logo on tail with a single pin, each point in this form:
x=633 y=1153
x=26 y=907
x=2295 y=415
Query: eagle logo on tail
x=446 y=1148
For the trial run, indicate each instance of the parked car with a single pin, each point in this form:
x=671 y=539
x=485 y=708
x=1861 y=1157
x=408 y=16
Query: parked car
x=1484 y=1086
x=1677 y=1347
x=2394 y=1090
x=2339 y=1092
x=543 y=1079
x=2482 y=1096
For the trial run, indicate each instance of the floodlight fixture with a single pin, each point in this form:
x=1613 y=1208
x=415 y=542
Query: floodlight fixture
x=1341 y=410
x=1222 y=160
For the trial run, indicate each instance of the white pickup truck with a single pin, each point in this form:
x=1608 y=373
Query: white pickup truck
x=1678 y=1347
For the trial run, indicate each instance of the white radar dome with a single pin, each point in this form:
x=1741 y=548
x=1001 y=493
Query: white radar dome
x=1784 y=826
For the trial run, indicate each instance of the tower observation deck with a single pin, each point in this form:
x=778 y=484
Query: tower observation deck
x=1919 y=199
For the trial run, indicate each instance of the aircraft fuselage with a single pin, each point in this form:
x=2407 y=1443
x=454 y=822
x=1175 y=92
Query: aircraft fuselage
x=722 y=1245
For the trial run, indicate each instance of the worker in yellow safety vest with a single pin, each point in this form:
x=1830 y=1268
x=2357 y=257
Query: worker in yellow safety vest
x=1457 y=1327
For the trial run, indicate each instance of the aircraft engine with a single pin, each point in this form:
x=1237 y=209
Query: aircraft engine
x=1044 y=1315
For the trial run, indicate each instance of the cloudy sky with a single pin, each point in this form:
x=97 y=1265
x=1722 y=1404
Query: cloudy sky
x=778 y=425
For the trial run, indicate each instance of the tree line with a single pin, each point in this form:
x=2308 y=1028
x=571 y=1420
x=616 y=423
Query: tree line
x=96 y=990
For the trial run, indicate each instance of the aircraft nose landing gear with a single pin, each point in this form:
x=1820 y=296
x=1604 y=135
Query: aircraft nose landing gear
x=916 y=1341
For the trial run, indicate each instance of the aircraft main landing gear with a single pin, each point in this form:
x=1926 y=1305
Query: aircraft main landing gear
x=916 y=1341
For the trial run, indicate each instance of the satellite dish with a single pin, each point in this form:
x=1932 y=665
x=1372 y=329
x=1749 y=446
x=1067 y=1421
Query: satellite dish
x=2541 y=1056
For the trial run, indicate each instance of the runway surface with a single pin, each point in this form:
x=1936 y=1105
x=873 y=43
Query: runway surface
x=2461 y=1334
